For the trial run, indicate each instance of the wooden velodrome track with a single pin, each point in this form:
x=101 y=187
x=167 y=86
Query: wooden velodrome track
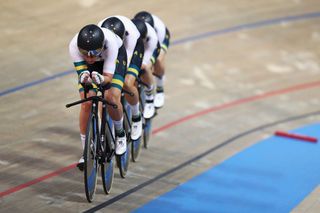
x=233 y=66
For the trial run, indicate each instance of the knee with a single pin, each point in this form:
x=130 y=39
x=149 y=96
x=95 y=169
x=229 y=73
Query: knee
x=159 y=66
x=129 y=81
x=114 y=96
x=86 y=106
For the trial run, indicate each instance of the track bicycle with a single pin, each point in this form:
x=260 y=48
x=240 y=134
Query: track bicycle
x=99 y=148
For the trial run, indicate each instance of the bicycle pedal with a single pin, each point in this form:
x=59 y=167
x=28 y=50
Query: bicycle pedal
x=110 y=156
x=80 y=166
x=108 y=159
x=101 y=161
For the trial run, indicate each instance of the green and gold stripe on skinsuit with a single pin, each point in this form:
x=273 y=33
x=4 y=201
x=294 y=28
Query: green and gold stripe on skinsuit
x=133 y=70
x=80 y=66
x=117 y=81
x=153 y=60
x=164 y=47
x=166 y=42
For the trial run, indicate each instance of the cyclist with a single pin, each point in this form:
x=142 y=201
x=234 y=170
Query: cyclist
x=99 y=57
x=159 y=65
x=150 y=42
x=126 y=30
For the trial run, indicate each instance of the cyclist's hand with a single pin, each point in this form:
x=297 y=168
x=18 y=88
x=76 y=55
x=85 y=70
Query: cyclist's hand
x=84 y=77
x=97 y=78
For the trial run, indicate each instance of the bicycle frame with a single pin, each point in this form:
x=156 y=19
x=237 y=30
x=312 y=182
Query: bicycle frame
x=98 y=149
x=95 y=102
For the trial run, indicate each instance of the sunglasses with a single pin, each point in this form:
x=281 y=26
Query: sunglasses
x=91 y=53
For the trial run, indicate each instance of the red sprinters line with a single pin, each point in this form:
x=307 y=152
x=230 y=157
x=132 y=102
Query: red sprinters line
x=40 y=179
x=296 y=136
x=175 y=123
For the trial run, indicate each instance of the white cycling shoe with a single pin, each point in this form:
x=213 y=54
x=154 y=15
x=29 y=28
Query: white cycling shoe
x=159 y=99
x=149 y=110
x=121 y=144
x=136 y=129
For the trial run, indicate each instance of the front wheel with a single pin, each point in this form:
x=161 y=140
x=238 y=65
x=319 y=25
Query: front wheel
x=90 y=158
x=107 y=175
x=107 y=168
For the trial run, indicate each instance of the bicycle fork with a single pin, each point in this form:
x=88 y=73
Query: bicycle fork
x=106 y=143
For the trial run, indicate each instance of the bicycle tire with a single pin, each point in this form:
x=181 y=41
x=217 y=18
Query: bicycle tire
x=90 y=160
x=107 y=168
x=147 y=132
x=135 y=149
x=123 y=160
x=107 y=175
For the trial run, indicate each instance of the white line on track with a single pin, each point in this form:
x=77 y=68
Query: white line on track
x=204 y=80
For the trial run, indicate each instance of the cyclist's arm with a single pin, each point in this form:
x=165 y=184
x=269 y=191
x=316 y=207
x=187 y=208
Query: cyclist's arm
x=159 y=27
x=107 y=77
x=150 y=46
x=131 y=36
x=78 y=61
x=111 y=54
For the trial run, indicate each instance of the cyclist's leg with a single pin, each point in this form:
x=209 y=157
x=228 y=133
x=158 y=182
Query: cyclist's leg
x=83 y=118
x=159 y=70
x=133 y=72
x=86 y=107
x=130 y=86
x=114 y=95
x=159 y=56
x=130 y=80
x=147 y=77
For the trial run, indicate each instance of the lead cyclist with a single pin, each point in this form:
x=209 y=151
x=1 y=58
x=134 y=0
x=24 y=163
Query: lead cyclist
x=100 y=58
